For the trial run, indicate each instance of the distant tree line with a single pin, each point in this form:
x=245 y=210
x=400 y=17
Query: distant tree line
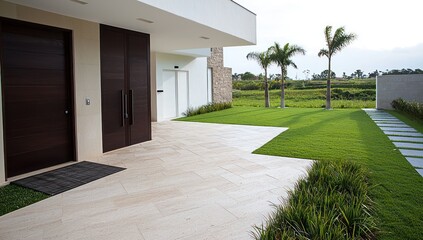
x=252 y=76
x=357 y=74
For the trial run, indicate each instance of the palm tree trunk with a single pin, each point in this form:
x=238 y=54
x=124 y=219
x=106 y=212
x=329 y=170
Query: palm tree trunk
x=282 y=89
x=328 y=95
x=266 y=90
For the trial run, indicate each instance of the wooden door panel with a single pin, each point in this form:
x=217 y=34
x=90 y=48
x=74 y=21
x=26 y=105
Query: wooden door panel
x=42 y=158
x=31 y=60
x=112 y=84
x=36 y=84
x=45 y=107
x=25 y=39
x=139 y=84
x=37 y=142
x=38 y=77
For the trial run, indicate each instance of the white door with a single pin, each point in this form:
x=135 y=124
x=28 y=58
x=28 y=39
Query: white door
x=169 y=95
x=175 y=93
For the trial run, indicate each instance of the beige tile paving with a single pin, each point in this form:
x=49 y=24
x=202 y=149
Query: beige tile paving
x=192 y=181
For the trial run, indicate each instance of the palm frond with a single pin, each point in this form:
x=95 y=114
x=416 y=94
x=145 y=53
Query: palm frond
x=276 y=54
x=328 y=35
x=341 y=39
x=295 y=49
x=262 y=58
x=253 y=56
x=323 y=52
x=291 y=63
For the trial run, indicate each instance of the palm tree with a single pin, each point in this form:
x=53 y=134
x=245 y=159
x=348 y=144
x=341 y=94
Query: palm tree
x=263 y=59
x=282 y=57
x=334 y=44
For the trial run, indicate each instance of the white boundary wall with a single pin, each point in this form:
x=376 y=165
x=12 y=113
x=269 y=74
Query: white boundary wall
x=390 y=87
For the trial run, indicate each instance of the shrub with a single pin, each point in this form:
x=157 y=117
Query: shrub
x=341 y=94
x=413 y=108
x=248 y=85
x=211 y=107
x=274 y=85
x=332 y=202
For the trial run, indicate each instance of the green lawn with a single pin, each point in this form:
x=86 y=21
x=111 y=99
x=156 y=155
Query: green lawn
x=344 y=134
x=13 y=197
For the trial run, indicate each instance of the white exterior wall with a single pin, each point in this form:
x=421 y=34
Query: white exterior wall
x=87 y=81
x=197 y=69
x=224 y=15
x=390 y=87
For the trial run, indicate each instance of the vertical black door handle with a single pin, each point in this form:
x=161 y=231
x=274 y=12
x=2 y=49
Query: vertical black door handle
x=131 y=94
x=122 y=95
x=126 y=106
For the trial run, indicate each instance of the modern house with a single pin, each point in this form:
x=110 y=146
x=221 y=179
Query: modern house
x=83 y=77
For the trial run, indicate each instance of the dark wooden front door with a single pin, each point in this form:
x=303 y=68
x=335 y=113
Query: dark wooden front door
x=125 y=87
x=37 y=99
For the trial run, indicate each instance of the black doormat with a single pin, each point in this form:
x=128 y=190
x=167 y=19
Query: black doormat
x=67 y=178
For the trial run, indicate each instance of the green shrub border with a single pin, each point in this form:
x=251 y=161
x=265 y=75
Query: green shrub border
x=211 y=107
x=413 y=108
x=332 y=202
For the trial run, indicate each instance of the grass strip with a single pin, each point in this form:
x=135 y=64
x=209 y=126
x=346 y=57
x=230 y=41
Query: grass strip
x=13 y=197
x=332 y=202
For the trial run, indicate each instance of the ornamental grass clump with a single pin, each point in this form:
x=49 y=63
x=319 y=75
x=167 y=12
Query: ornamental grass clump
x=331 y=203
x=211 y=107
x=413 y=108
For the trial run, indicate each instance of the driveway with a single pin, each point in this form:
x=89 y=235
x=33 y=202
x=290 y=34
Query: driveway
x=192 y=181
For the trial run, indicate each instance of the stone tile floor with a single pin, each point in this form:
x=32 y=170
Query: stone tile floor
x=192 y=181
x=405 y=138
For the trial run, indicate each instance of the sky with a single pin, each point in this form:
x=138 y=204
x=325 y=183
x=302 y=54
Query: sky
x=390 y=34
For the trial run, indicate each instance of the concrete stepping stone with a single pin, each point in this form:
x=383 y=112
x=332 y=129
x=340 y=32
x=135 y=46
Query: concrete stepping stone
x=412 y=153
x=384 y=119
x=398 y=129
x=405 y=134
x=415 y=162
x=420 y=171
x=380 y=115
x=388 y=122
x=399 y=125
x=406 y=139
x=409 y=145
